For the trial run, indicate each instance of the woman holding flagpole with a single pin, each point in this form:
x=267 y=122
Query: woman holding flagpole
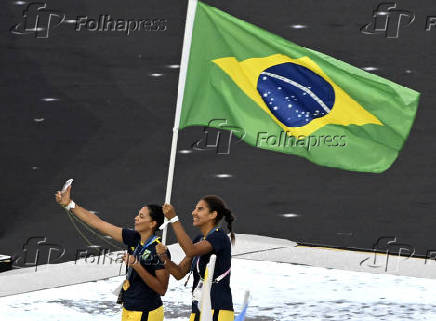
x=207 y=214
x=146 y=279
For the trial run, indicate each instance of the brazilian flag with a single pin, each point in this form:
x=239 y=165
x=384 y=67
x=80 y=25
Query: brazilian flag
x=292 y=99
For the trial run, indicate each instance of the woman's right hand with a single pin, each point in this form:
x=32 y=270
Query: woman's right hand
x=63 y=198
x=168 y=211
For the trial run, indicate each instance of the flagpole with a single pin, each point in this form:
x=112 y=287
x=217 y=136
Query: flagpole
x=187 y=40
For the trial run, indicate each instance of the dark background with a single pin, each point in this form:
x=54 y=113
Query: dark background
x=111 y=128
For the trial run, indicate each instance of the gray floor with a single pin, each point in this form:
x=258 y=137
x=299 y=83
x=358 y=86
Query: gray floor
x=99 y=107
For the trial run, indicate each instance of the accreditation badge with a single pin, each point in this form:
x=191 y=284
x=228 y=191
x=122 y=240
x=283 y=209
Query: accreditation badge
x=145 y=255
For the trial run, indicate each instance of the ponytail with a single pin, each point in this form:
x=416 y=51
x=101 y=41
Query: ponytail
x=229 y=218
x=215 y=203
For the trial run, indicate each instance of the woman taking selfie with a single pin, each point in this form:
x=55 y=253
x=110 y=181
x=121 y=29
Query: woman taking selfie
x=206 y=216
x=147 y=278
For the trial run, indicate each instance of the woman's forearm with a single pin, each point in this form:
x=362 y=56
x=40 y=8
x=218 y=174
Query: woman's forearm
x=87 y=216
x=154 y=283
x=63 y=199
x=183 y=239
x=175 y=270
x=94 y=221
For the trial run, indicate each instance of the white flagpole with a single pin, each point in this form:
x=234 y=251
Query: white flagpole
x=187 y=40
x=206 y=304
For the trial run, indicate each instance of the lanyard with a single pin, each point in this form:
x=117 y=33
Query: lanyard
x=198 y=258
x=196 y=262
x=138 y=252
x=210 y=232
x=219 y=277
x=144 y=247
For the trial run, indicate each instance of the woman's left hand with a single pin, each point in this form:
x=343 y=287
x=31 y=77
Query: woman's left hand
x=168 y=211
x=129 y=259
x=161 y=249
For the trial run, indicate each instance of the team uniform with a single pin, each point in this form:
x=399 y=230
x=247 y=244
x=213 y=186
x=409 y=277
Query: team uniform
x=221 y=294
x=140 y=302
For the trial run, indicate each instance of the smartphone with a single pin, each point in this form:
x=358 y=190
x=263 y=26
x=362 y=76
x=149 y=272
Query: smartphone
x=67 y=183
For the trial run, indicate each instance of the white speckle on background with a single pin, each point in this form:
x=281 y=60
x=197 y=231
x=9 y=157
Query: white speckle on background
x=288 y=215
x=370 y=68
x=185 y=151
x=298 y=26
x=223 y=175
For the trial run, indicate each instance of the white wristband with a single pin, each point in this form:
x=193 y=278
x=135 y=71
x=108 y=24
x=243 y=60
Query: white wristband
x=173 y=220
x=70 y=205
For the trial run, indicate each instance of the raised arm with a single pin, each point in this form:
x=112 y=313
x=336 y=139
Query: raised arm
x=190 y=249
x=63 y=199
x=176 y=270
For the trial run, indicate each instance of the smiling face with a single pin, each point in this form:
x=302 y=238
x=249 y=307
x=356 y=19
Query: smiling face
x=201 y=214
x=143 y=221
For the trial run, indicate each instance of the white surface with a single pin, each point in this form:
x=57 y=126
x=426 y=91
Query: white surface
x=279 y=291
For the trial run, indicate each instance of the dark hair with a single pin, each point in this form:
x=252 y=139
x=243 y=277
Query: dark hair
x=215 y=203
x=156 y=215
